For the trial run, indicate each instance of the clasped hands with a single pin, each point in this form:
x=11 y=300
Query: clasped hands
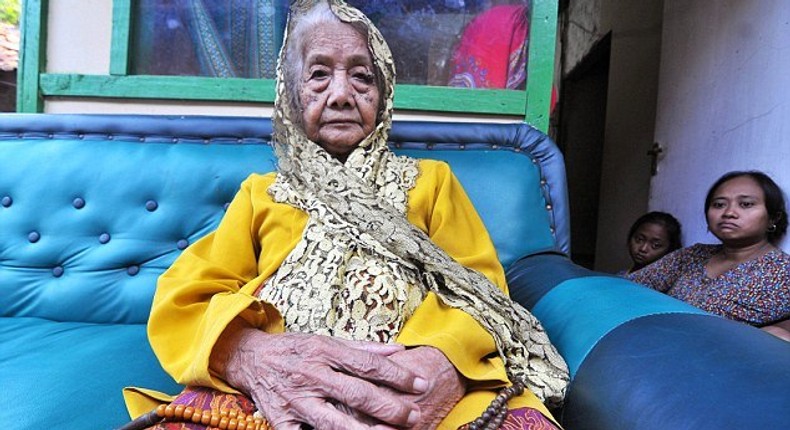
x=329 y=383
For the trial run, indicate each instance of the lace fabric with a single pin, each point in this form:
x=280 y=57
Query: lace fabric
x=361 y=268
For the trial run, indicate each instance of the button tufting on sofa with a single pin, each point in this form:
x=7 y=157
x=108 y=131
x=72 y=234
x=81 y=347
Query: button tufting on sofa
x=6 y=201
x=104 y=238
x=33 y=236
x=78 y=203
x=133 y=270
x=151 y=205
x=225 y=206
x=182 y=244
x=57 y=271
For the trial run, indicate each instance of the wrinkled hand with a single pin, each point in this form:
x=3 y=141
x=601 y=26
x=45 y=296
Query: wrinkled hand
x=446 y=386
x=297 y=378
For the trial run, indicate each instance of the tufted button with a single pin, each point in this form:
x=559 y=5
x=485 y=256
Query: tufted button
x=182 y=244
x=33 y=236
x=151 y=205
x=57 y=271
x=78 y=203
x=226 y=206
x=104 y=238
x=6 y=201
x=133 y=270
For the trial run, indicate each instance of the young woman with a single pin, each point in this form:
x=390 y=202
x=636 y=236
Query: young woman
x=745 y=278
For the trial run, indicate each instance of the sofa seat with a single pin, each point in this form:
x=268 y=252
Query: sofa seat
x=76 y=369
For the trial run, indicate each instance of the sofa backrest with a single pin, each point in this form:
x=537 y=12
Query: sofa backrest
x=93 y=208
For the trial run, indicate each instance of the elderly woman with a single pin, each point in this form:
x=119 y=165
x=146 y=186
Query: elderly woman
x=354 y=288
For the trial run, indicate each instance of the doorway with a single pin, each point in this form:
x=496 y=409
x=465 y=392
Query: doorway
x=580 y=137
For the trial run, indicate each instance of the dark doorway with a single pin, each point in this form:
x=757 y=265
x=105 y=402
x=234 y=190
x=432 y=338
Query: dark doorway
x=580 y=136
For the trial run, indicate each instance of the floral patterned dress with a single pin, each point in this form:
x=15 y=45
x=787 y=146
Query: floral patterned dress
x=756 y=292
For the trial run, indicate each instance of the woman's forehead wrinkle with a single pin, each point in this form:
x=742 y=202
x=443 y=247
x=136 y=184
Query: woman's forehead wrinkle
x=328 y=58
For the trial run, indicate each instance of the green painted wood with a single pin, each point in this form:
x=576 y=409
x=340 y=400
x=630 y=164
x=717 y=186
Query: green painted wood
x=540 y=67
x=121 y=37
x=32 y=49
x=459 y=100
x=408 y=97
x=532 y=104
x=158 y=87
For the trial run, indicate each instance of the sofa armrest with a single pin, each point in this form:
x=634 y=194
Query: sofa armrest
x=642 y=360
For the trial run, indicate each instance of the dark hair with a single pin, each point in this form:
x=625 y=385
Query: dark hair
x=670 y=223
x=774 y=199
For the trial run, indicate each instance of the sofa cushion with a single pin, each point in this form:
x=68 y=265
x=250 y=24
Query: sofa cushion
x=95 y=208
x=72 y=373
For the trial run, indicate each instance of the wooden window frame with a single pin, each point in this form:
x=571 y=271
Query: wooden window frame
x=532 y=104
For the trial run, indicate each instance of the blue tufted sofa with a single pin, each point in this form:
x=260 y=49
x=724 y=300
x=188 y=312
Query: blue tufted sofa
x=93 y=208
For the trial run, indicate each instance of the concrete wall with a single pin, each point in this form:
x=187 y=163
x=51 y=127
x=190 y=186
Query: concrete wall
x=635 y=28
x=724 y=101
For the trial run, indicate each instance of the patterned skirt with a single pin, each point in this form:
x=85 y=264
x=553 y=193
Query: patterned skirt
x=208 y=399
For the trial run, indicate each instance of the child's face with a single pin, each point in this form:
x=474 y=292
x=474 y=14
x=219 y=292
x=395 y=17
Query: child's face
x=649 y=243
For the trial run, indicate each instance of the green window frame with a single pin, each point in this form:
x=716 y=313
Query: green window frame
x=33 y=86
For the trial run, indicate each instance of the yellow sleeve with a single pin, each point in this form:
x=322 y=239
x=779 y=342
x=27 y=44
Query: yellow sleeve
x=210 y=284
x=439 y=205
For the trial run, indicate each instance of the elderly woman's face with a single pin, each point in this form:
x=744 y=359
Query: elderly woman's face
x=338 y=94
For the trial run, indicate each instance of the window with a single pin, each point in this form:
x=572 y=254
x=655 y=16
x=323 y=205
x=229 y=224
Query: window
x=456 y=56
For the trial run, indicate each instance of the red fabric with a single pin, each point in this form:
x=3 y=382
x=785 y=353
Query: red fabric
x=493 y=50
x=524 y=419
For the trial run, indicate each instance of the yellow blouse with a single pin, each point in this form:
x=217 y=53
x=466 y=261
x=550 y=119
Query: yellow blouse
x=214 y=281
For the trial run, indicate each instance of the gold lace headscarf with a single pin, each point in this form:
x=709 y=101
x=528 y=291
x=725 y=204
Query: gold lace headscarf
x=361 y=268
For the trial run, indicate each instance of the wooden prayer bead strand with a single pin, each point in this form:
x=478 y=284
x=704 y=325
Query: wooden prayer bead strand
x=223 y=419
x=495 y=413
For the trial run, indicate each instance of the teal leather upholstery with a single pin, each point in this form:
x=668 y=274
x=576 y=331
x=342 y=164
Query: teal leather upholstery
x=643 y=360
x=94 y=207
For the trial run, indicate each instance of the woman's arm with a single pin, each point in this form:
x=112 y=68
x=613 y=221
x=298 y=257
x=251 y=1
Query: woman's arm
x=208 y=329
x=780 y=329
x=439 y=206
x=211 y=284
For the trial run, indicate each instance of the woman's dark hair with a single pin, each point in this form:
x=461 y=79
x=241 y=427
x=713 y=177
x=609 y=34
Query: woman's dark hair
x=670 y=223
x=774 y=200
